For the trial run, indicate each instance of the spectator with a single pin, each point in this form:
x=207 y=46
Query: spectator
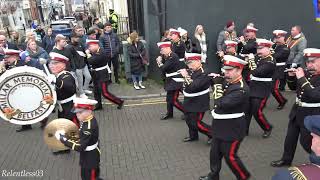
x=113 y=19
x=136 y=53
x=166 y=36
x=228 y=33
x=30 y=35
x=112 y=46
x=200 y=37
x=4 y=44
x=191 y=46
x=97 y=24
x=33 y=53
x=17 y=40
x=48 y=41
x=80 y=33
x=40 y=33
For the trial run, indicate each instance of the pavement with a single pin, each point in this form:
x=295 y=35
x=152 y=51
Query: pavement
x=136 y=145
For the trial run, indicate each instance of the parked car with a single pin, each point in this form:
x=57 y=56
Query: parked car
x=63 y=27
x=72 y=19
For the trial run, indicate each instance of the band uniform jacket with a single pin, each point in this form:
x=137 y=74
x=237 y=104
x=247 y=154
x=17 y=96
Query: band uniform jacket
x=98 y=60
x=179 y=48
x=17 y=63
x=281 y=54
x=171 y=65
x=89 y=136
x=265 y=69
x=235 y=99
x=200 y=82
x=250 y=46
x=308 y=91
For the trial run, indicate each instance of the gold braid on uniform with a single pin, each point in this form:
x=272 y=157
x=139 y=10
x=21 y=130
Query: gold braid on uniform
x=296 y=173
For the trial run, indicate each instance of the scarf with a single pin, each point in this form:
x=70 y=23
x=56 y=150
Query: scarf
x=202 y=40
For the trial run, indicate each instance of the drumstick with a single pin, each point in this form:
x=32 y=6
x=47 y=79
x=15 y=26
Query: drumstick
x=44 y=64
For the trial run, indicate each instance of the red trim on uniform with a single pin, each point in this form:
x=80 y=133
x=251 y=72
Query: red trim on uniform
x=175 y=101
x=232 y=63
x=84 y=106
x=75 y=120
x=194 y=58
x=260 y=114
x=232 y=45
x=107 y=95
x=279 y=97
x=93 y=174
x=312 y=54
x=265 y=44
x=233 y=159
x=199 y=119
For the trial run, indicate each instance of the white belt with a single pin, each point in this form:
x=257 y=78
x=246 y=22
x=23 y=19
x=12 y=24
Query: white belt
x=67 y=100
x=281 y=64
x=226 y=116
x=92 y=147
x=172 y=74
x=304 y=104
x=103 y=67
x=196 y=94
x=182 y=59
x=260 y=79
x=81 y=53
x=178 y=79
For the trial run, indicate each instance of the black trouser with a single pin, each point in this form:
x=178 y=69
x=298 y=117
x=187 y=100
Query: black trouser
x=195 y=124
x=227 y=150
x=115 y=63
x=255 y=108
x=290 y=143
x=67 y=113
x=283 y=82
x=276 y=93
x=172 y=100
x=90 y=174
x=101 y=87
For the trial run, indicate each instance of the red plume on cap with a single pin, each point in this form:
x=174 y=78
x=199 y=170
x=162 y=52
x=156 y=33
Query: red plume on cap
x=229 y=23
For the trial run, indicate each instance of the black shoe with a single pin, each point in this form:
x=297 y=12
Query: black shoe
x=189 y=139
x=281 y=106
x=67 y=151
x=98 y=107
x=117 y=81
x=109 y=81
x=280 y=163
x=266 y=134
x=209 y=141
x=204 y=178
x=166 y=116
x=120 y=105
x=24 y=128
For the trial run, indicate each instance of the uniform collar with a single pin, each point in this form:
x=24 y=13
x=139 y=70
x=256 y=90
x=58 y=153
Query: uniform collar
x=238 y=79
x=89 y=118
x=297 y=36
x=60 y=73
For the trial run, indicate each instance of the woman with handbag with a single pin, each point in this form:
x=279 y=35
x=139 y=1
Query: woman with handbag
x=138 y=60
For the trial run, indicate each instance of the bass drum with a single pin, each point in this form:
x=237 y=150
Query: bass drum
x=26 y=97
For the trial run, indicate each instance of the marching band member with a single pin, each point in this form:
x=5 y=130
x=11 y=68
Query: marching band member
x=231 y=97
x=196 y=97
x=88 y=145
x=307 y=85
x=281 y=54
x=177 y=45
x=170 y=65
x=262 y=68
x=97 y=59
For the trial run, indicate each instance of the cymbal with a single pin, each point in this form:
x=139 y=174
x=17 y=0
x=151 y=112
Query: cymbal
x=71 y=129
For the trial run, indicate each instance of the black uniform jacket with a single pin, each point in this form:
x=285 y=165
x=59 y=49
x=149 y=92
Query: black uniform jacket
x=65 y=85
x=235 y=99
x=179 y=48
x=250 y=46
x=98 y=60
x=308 y=91
x=281 y=54
x=89 y=135
x=171 y=65
x=265 y=69
x=200 y=82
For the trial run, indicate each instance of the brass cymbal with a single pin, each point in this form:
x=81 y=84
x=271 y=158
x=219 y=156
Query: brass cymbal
x=71 y=129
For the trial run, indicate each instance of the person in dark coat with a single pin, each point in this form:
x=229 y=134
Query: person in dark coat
x=48 y=41
x=4 y=44
x=136 y=53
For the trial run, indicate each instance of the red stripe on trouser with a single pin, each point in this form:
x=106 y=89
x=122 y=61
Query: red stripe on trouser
x=233 y=160
x=93 y=174
x=107 y=95
x=175 y=101
x=279 y=97
x=75 y=120
x=261 y=117
x=199 y=119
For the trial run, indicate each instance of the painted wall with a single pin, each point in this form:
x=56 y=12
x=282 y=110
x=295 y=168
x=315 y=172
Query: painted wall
x=213 y=14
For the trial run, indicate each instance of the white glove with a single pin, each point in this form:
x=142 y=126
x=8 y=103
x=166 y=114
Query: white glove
x=250 y=56
x=294 y=65
x=59 y=133
x=51 y=78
